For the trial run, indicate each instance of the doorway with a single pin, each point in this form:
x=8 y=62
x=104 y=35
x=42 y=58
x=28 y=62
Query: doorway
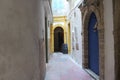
x=93 y=45
x=58 y=39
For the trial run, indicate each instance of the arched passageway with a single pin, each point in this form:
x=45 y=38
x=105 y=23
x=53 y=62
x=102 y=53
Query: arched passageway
x=58 y=39
x=93 y=44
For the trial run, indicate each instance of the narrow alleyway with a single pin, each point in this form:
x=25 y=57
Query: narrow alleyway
x=62 y=67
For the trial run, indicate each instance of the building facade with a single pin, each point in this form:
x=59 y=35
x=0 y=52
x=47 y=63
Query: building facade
x=98 y=38
x=60 y=36
x=75 y=23
x=22 y=43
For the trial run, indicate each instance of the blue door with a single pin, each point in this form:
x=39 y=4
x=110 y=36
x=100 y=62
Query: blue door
x=93 y=45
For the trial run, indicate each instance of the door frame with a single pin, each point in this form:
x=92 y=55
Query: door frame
x=86 y=12
x=62 y=37
x=91 y=52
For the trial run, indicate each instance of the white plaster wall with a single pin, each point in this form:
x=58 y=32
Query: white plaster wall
x=109 y=41
x=77 y=23
x=55 y=23
x=21 y=50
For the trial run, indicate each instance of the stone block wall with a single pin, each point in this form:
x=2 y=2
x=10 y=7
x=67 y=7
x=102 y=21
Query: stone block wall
x=87 y=7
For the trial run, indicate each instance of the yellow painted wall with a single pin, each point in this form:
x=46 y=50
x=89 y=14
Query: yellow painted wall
x=69 y=38
x=57 y=20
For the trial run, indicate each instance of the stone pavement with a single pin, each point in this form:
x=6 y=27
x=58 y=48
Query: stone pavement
x=62 y=67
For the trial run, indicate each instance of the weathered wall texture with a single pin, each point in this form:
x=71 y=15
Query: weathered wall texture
x=109 y=40
x=87 y=8
x=21 y=48
x=116 y=12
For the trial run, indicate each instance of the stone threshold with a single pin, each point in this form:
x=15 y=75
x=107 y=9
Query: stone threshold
x=92 y=74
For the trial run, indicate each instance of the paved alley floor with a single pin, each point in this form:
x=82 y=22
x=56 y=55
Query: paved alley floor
x=62 y=67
